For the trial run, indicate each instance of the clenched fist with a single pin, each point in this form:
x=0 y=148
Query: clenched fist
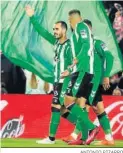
x=29 y=11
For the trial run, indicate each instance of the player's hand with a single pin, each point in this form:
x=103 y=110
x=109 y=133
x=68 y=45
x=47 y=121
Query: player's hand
x=29 y=11
x=75 y=61
x=65 y=74
x=106 y=83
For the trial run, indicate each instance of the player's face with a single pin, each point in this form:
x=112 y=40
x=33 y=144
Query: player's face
x=73 y=20
x=58 y=31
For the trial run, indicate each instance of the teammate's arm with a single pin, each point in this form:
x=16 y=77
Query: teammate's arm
x=107 y=57
x=108 y=63
x=43 y=32
x=69 y=56
x=69 y=60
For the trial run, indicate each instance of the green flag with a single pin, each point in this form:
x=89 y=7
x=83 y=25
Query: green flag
x=23 y=46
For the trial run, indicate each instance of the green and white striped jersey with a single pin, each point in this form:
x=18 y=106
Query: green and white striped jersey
x=63 y=58
x=63 y=55
x=82 y=48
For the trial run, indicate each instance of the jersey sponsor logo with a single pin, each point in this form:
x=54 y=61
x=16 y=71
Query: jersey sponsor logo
x=83 y=33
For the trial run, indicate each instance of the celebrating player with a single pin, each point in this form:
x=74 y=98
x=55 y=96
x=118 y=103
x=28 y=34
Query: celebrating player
x=62 y=59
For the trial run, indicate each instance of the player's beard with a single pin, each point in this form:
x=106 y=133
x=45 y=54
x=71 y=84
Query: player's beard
x=58 y=36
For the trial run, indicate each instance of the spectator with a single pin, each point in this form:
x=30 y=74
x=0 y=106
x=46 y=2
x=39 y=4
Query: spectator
x=35 y=85
x=117 y=92
x=116 y=82
x=120 y=84
x=110 y=9
x=118 y=25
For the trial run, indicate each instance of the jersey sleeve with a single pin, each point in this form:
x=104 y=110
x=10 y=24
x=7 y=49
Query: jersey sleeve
x=42 y=31
x=108 y=59
x=84 y=42
x=69 y=55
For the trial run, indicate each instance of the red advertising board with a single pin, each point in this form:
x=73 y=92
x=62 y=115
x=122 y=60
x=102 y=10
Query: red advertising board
x=28 y=116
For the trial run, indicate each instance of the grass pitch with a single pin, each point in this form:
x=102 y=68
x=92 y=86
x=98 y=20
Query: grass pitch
x=31 y=143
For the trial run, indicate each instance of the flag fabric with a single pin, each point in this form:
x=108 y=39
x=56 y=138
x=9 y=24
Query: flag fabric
x=23 y=45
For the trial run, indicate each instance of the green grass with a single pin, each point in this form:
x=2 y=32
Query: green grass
x=31 y=143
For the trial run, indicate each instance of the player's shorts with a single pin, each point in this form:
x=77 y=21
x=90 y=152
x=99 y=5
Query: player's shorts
x=96 y=93
x=80 y=85
x=59 y=91
x=96 y=96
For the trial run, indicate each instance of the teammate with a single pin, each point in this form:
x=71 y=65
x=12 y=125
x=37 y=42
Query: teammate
x=103 y=61
x=80 y=85
x=62 y=59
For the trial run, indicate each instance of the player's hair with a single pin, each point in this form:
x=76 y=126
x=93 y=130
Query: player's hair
x=75 y=11
x=63 y=24
x=88 y=22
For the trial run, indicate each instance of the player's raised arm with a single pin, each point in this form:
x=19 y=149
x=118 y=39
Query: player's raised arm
x=42 y=31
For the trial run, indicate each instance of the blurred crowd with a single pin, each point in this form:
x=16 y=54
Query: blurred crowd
x=116 y=85
x=13 y=76
x=114 y=10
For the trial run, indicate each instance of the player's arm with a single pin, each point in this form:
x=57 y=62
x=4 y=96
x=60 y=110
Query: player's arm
x=42 y=31
x=85 y=45
x=108 y=63
x=69 y=56
x=69 y=59
x=108 y=60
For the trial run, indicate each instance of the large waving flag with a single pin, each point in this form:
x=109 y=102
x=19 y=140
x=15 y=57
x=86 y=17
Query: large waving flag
x=23 y=46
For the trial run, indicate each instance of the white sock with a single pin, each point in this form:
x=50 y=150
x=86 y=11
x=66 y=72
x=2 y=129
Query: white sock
x=74 y=135
x=96 y=122
x=109 y=137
